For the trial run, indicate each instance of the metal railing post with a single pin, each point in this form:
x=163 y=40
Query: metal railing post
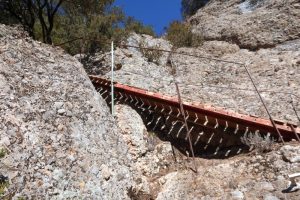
x=112 y=79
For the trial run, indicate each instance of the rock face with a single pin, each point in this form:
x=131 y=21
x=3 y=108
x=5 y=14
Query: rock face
x=60 y=141
x=276 y=72
x=150 y=155
x=291 y=154
x=264 y=36
x=133 y=130
x=252 y=177
x=158 y=176
x=133 y=67
x=251 y=24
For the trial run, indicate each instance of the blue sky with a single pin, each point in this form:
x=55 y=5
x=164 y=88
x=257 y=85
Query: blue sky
x=157 y=13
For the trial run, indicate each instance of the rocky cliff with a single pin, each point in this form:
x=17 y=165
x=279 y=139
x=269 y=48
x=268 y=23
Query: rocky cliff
x=276 y=72
x=262 y=34
x=57 y=138
x=251 y=24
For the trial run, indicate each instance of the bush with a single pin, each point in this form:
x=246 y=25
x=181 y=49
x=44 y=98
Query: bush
x=132 y=25
x=258 y=142
x=3 y=187
x=99 y=22
x=2 y=152
x=151 y=55
x=103 y=29
x=181 y=35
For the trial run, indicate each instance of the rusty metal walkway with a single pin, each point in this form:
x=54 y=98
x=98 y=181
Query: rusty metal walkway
x=211 y=129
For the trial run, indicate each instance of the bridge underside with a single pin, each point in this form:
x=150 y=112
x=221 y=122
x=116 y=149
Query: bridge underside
x=170 y=127
x=212 y=132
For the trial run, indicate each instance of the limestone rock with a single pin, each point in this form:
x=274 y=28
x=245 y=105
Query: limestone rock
x=237 y=195
x=291 y=153
x=275 y=72
x=133 y=130
x=150 y=157
x=245 y=177
x=270 y=197
x=249 y=24
x=52 y=154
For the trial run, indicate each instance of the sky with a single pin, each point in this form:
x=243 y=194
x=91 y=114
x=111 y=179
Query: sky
x=157 y=13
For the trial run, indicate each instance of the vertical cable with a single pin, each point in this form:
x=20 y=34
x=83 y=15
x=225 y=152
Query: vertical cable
x=294 y=109
x=262 y=101
x=174 y=73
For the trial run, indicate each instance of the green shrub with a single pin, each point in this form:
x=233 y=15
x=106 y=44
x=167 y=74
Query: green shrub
x=98 y=22
x=3 y=186
x=181 y=35
x=102 y=29
x=132 y=25
x=2 y=152
x=151 y=55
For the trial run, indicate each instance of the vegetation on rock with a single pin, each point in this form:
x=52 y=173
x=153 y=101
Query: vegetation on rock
x=58 y=21
x=257 y=142
x=2 y=152
x=181 y=35
x=3 y=186
x=151 y=53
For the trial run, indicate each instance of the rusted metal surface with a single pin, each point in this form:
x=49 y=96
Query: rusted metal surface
x=207 y=116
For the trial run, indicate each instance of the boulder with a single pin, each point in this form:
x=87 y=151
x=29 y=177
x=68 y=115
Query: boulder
x=251 y=24
x=59 y=137
x=291 y=153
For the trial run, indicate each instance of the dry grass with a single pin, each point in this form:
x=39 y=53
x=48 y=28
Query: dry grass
x=261 y=144
x=151 y=55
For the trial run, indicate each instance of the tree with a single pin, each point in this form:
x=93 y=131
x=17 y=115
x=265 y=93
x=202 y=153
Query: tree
x=46 y=11
x=27 y=12
x=190 y=7
x=58 y=21
x=20 y=11
x=96 y=21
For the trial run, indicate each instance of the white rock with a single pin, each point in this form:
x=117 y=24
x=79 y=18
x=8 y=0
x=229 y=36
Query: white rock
x=270 y=197
x=61 y=111
x=267 y=186
x=291 y=153
x=133 y=129
x=58 y=105
x=5 y=141
x=236 y=194
x=105 y=172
